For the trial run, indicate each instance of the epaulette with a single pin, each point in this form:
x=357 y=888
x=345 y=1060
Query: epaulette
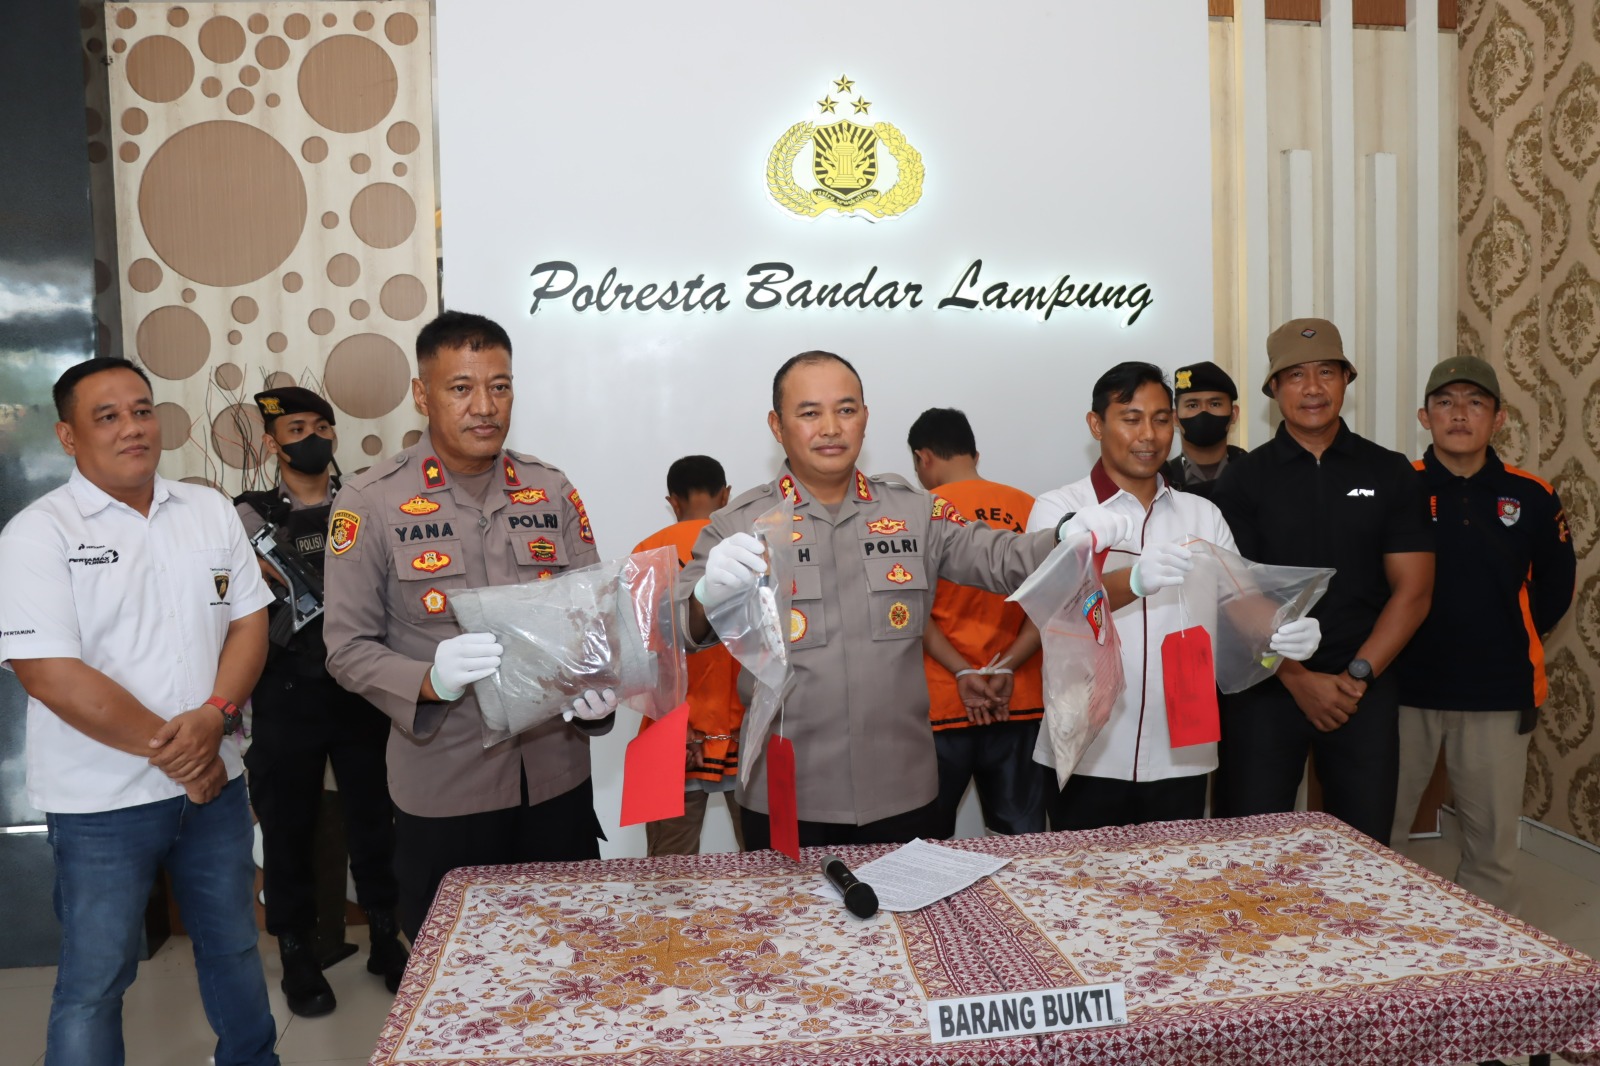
x=750 y=496
x=893 y=479
x=380 y=470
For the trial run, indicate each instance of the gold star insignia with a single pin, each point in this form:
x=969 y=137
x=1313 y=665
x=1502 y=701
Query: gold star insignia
x=861 y=104
x=826 y=104
x=844 y=84
x=433 y=471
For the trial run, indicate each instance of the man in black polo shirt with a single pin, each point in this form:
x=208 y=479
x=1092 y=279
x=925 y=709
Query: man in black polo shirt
x=1319 y=495
x=1208 y=406
x=1472 y=679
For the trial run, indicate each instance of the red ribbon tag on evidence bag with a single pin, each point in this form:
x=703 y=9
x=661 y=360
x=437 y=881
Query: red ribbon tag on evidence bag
x=652 y=770
x=783 y=808
x=1191 y=688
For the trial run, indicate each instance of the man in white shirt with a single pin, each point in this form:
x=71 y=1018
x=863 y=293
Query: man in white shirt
x=1132 y=773
x=136 y=621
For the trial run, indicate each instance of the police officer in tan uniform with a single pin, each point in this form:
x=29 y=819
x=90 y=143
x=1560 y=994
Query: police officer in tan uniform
x=870 y=552
x=456 y=511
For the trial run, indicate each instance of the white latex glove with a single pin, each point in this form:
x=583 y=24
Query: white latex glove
x=1160 y=567
x=592 y=706
x=1297 y=640
x=1109 y=527
x=460 y=661
x=733 y=565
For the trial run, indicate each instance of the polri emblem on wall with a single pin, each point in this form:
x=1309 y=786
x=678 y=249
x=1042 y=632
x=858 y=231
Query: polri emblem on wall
x=846 y=173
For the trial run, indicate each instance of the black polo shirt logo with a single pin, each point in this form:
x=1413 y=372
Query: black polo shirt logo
x=1362 y=492
x=1509 y=510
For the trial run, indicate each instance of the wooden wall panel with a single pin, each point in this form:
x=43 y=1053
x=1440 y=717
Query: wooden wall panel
x=274 y=184
x=1366 y=13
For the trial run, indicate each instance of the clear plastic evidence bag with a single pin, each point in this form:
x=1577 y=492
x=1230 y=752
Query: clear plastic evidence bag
x=755 y=628
x=607 y=626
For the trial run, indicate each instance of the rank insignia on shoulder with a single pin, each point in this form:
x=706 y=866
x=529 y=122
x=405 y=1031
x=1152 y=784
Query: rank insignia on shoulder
x=432 y=472
x=898 y=574
x=899 y=615
x=529 y=497
x=434 y=601
x=885 y=527
x=429 y=561
x=342 y=531
x=543 y=550
x=585 y=530
x=511 y=473
x=419 y=505
x=791 y=492
x=945 y=511
x=863 y=490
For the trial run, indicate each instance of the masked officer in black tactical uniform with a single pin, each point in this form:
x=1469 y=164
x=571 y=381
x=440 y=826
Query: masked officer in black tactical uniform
x=303 y=719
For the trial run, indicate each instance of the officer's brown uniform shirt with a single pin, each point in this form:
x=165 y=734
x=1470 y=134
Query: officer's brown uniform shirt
x=864 y=581
x=402 y=539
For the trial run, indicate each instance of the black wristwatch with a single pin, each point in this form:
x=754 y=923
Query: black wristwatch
x=232 y=717
x=1359 y=670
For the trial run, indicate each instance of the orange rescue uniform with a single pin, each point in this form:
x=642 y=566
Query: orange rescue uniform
x=714 y=707
x=981 y=624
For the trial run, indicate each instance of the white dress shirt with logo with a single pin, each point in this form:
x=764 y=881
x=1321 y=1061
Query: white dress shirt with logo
x=144 y=600
x=1135 y=745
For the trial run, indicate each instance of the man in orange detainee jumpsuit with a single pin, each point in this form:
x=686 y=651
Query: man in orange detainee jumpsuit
x=696 y=487
x=984 y=724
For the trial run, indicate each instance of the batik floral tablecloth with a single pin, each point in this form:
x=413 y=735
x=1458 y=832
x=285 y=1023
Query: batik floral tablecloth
x=1281 y=939
x=1276 y=939
x=711 y=961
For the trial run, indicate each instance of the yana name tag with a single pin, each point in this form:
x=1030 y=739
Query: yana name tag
x=1008 y=1014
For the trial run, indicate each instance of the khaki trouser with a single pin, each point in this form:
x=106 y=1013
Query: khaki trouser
x=1486 y=761
x=681 y=836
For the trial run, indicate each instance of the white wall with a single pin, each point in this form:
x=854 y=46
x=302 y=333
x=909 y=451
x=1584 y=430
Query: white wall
x=1058 y=137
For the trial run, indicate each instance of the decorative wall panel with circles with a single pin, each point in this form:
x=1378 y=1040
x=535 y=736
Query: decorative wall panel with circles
x=272 y=181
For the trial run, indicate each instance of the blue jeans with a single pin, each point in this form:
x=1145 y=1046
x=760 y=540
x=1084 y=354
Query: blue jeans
x=105 y=866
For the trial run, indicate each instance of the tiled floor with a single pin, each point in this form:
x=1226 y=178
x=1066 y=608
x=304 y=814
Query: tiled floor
x=165 y=1026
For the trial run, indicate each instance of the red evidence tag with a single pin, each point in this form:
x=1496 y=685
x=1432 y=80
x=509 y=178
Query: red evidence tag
x=783 y=807
x=652 y=770
x=1191 y=684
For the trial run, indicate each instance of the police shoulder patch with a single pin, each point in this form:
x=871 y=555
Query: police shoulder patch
x=343 y=528
x=945 y=511
x=585 y=530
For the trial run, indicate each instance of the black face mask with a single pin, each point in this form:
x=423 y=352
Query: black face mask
x=1205 y=429
x=309 y=455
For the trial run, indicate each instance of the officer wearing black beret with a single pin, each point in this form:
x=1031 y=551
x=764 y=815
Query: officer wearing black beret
x=1208 y=407
x=303 y=720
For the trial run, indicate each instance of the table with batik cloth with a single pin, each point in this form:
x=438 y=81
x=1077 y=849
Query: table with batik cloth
x=1276 y=939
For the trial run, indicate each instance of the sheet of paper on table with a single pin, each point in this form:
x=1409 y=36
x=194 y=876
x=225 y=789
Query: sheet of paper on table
x=919 y=874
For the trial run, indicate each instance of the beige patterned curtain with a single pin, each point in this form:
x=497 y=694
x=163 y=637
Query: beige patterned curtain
x=1530 y=303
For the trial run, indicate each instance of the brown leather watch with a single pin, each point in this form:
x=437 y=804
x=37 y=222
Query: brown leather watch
x=232 y=717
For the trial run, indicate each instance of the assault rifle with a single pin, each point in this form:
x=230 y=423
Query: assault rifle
x=304 y=603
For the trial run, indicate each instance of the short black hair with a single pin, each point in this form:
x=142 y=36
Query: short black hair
x=67 y=384
x=806 y=359
x=1118 y=384
x=944 y=431
x=695 y=473
x=459 y=329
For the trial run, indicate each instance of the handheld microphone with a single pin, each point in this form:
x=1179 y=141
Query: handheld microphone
x=859 y=899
